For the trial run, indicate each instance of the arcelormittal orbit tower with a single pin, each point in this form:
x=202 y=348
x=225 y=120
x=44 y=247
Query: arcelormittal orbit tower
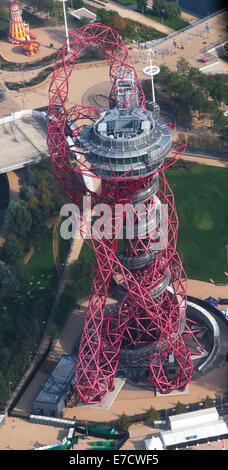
x=125 y=148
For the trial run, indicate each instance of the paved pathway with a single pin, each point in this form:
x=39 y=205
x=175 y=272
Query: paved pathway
x=196 y=42
x=133 y=15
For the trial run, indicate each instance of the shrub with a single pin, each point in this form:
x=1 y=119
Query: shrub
x=208 y=402
x=124 y=422
x=180 y=408
x=152 y=415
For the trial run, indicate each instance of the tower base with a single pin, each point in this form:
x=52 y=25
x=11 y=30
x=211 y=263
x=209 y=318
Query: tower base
x=202 y=337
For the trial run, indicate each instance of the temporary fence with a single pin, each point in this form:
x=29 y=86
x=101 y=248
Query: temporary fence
x=29 y=378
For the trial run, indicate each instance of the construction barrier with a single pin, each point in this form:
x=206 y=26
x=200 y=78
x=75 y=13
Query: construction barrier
x=49 y=421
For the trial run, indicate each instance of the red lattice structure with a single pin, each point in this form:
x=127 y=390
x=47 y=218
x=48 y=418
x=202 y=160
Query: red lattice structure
x=149 y=321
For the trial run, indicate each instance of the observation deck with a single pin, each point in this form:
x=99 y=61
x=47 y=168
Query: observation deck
x=126 y=143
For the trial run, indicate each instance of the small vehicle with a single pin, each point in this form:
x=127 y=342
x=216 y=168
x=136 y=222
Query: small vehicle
x=204 y=59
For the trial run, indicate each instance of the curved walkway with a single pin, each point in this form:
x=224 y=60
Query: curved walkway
x=202 y=290
x=204 y=160
x=56 y=245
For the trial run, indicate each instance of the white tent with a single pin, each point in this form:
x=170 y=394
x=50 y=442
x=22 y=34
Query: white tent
x=153 y=443
x=225 y=312
x=194 y=433
x=193 y=418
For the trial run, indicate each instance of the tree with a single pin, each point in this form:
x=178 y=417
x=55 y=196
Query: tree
x=103 y=16
x=81 y=273
x=45 y=5
x=35 y=4
x=194 y=75
x=21 y=272
x=54 y=330
x=4 y=13
x=66 y=303
x=217 y=88
x=152 y=415
x=175 y=82
x=173 y=10
x=180 y=408
x=13 y=250
x=77 y=4
x=33 y=202
x=208 y=402
x=18 y=219
x=124 y=422
x=167 y=10
x=159 y=7
x=56 y=13
x=164 y=74
x=199 y=101
x=141 y=5
x=225 y=47
x=8 y=281
x=117 y=22
x=183 y=67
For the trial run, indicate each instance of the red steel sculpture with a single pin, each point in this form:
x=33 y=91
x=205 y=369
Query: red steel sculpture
x=125 y=149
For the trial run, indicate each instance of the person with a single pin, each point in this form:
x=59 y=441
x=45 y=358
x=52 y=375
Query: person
x=51 y=46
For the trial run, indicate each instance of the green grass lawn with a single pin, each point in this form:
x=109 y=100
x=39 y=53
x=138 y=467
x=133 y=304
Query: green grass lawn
x=146 y=33
x=176 y=24
x=201 y=195
x=42 y=261
x=42 y=277
x=126 y=2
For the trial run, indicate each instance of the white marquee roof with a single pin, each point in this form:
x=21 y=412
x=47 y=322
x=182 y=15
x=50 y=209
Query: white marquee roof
x=194 y=433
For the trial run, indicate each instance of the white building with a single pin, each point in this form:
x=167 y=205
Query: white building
x=189 y=428
x=81 y=13
x=2 y=420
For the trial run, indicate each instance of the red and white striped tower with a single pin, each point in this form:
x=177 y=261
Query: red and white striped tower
x=17 y=28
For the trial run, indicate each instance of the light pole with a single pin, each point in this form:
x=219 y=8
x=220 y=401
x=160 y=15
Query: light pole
x=65 y=21
x=150 y=71
x=222 y=401
x=162 y=14
x=23 y=83
x=10 y=383
x=86 y=430
x=30 y=357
